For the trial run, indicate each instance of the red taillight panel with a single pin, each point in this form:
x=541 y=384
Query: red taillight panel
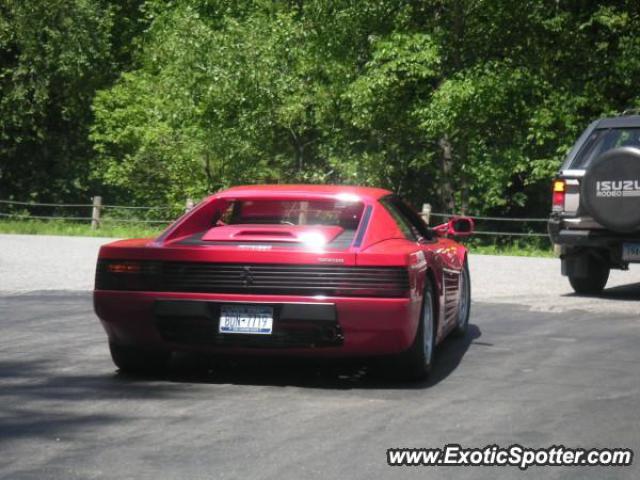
x=267 y=279
x=559 y=191
x=124 y=267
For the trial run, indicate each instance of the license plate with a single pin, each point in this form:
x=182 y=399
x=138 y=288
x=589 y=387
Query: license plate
x=250 y=319
x=631 y=252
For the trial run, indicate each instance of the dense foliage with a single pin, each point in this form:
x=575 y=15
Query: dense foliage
x=468 y=104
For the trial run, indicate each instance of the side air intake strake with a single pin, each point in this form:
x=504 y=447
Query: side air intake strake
x=252 y=278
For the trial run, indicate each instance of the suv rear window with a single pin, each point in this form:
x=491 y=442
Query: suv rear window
x=604 y=140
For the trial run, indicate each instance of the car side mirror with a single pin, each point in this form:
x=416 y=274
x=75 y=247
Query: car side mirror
x=456 y=227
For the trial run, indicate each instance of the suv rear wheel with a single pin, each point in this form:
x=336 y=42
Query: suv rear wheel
x=592 y=278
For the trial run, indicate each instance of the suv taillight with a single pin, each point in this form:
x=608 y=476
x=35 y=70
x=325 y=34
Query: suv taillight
x=559 y=190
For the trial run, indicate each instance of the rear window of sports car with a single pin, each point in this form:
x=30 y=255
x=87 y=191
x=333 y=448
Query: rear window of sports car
x=293 y=212
x=603 y=140
x=348 y=215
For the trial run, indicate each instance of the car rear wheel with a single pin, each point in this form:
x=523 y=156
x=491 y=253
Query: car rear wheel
x=464 y=304
x=594 y=281
x=138 y=360
x=415 y=363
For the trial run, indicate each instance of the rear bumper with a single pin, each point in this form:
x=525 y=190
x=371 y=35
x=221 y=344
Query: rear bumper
x=362 y=326
x=587 y=238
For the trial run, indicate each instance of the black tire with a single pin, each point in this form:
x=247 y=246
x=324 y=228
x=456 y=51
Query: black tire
x=595 y=281
x=138 y=360
x=464 y=305
x=415 y=363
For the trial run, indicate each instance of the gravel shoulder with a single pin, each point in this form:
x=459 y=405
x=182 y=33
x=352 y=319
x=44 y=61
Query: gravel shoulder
x=44 y=262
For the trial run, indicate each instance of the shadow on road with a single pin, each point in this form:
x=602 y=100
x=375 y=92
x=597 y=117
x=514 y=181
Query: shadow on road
x=307 y=373
x=35 y=379
x=38 y=401
x=56 y=394
x=622 y=292
x=29 y=385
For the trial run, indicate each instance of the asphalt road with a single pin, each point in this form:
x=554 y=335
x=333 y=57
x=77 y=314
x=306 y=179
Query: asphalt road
x=540 y=367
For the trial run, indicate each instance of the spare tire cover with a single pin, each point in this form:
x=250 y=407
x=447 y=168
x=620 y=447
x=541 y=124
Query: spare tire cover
x=610 y=189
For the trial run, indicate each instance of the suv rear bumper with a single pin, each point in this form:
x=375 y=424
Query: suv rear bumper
x=587 y=238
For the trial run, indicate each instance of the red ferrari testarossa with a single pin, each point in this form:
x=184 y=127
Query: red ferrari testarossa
x=304 y=270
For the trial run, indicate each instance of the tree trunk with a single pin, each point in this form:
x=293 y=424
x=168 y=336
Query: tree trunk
x=446 y=163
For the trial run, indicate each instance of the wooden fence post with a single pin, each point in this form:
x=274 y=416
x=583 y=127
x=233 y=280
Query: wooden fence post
x=188 y=206
x=95 y=212
x=426 y=212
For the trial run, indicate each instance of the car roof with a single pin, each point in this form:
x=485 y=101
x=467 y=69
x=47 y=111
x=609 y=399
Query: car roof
x=365 y=193
x=622 y=121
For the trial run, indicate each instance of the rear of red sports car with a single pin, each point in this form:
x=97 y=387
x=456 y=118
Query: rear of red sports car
x=316 y=271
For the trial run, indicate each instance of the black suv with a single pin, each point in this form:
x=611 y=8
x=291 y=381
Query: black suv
x=595 y=217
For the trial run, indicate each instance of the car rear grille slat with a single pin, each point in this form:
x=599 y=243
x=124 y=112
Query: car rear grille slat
x=259 y=278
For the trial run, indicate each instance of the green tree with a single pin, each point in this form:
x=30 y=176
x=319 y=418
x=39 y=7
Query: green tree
x=469 y=104
x=54 y=55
